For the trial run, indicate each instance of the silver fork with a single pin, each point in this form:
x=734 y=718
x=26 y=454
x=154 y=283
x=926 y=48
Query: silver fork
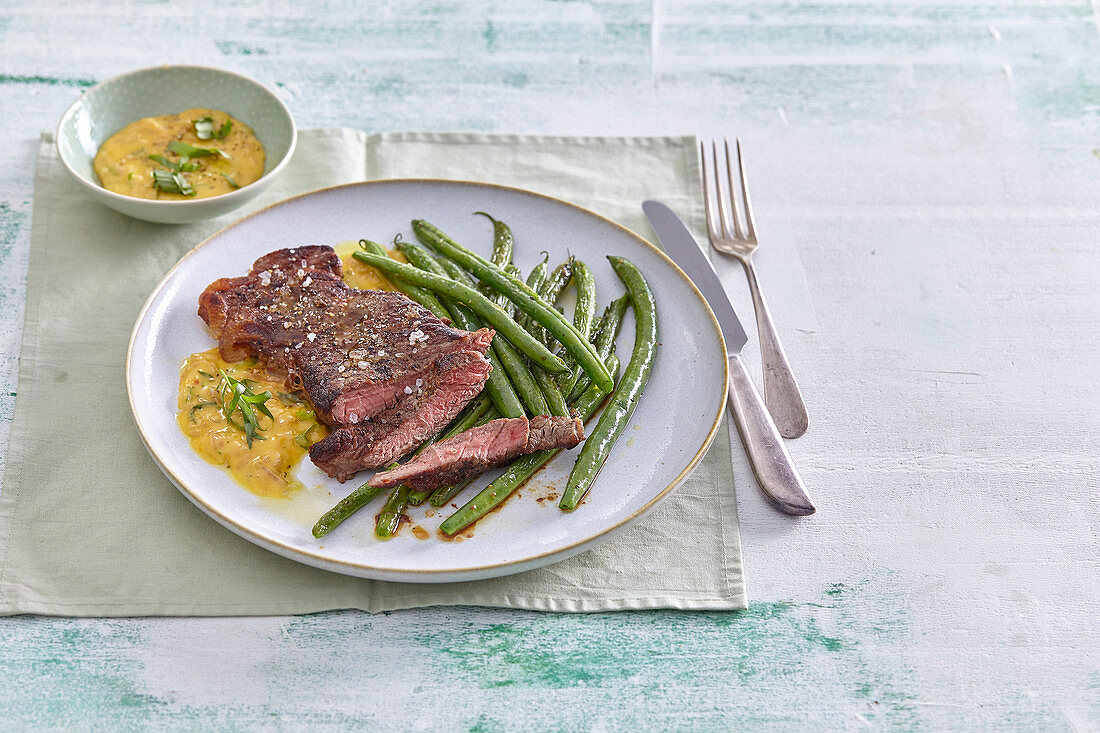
x=781 y=394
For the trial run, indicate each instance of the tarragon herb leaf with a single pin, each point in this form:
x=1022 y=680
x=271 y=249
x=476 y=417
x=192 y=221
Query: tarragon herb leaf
x=184 y=164
x=204 y=128
x=237 y=396
x=303 y=439
x=224 y=130
x=172 y=182
x=199 y=406
x=179 y=147
x=230 y=181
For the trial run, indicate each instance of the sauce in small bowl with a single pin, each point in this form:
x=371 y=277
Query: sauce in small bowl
x=164 y=91
x=195 y=154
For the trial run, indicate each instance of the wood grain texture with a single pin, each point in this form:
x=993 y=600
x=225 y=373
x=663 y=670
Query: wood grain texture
x=925 y=179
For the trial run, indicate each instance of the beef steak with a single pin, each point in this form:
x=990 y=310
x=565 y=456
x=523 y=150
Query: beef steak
x=478 y=449
x=380 y=369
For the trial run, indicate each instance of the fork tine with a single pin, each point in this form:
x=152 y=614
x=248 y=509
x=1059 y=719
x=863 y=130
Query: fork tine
x=733 y=196
x=722 y=212
x=745 y=191
x=712 y=223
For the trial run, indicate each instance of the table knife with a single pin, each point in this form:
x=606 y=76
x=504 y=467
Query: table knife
x=771 y=463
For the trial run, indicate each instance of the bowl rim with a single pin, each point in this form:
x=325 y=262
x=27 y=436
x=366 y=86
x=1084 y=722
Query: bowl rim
x=224 y=198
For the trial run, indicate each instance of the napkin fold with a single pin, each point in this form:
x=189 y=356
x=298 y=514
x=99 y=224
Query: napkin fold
x=90 y=527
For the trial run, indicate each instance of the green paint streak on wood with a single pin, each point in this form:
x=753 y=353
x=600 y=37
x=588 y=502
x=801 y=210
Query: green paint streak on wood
x=832 y=648
x=54 y=81
x=490 y=35
x=11 y=222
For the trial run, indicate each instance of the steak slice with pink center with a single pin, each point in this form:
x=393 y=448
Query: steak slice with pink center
x=364 y=358
x=478 y=449
x=395 y=432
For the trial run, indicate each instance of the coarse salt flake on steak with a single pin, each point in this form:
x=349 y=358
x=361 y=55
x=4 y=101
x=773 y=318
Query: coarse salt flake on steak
x=381 y=370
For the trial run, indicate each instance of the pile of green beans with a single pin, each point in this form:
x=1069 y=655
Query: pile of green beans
x=527 y=378
x=524 y=298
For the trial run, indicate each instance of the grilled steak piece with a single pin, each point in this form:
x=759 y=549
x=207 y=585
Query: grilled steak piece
x=380 y=369
x=478 y=449
x=456 y=380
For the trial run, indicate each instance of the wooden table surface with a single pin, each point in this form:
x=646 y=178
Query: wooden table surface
x=925 y=175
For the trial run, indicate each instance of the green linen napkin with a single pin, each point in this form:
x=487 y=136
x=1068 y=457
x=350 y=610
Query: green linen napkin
x=90 y=527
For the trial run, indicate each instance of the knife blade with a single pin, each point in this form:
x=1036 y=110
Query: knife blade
x=768 y=456
x=680 y=245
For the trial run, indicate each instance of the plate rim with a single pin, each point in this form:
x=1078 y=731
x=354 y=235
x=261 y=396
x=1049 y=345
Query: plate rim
x=529 y=562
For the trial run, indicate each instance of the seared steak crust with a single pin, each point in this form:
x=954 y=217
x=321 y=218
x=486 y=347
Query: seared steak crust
x=493 y=444
x=365 y=358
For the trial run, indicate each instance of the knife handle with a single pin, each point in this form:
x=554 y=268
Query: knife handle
x=768 y=455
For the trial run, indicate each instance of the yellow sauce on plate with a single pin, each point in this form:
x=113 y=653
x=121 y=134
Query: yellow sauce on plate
x=360 y=275
x=124 y=166
x=267 y=468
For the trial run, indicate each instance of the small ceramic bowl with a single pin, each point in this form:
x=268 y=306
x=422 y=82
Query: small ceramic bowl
x=111 y=105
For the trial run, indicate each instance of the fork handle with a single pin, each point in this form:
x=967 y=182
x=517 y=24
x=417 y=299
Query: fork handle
x=781 y=393
x=771 y=463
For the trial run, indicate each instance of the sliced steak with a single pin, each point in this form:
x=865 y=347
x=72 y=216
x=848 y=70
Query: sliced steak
x=385 y=438
x=478 y=449
x=372 y=362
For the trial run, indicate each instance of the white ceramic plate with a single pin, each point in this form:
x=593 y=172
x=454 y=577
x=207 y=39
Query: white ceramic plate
x=669 y=432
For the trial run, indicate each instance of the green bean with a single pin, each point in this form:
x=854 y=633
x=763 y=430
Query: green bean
x=349 y=505
x=390 y=518
x=537 y=276
x=610 y=323
x=477 y=302
x=424 y=297
x=535 y=279
x=514 y=364
x=525 y=299
x=551 y=393
x=444 y=494
x=522 y=468
x=500 y=390
x=500 y=298
x=522 y=379
x=556 y=282
x=416 y=498
x=551 y=289
x=503 y=241
x=584 y=312
x=614 y=419
x=549 y=389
